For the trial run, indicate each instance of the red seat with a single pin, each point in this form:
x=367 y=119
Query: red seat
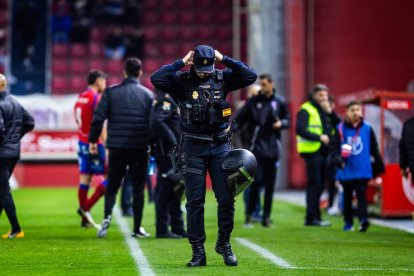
x=204 y=17
x=223 y=33
x=167 y=3
x=168 y=18
x=151 y=18
x=169 y=33
x=97 y=35
x=186 y=47
x=225 y=48
x=185 y=4
x=151 y=33
x=78 y=83
x=224 y=18
x=97 y=64
x=151 y=5
x=186 y=18
x=3 y=17
x=223 y=4
x=59 y=66
x=96 y=49
x=204 y=3
x=60 y=85
x=60 y=50
x=78 y=50
x=186 y=32
x=150 y=66
x=169 y=50
x=114 y=66
x=205 y=34
x=79 y=66
x=151 y=50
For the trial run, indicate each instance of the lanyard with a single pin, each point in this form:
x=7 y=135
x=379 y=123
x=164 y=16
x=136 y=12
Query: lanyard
x=341 y=125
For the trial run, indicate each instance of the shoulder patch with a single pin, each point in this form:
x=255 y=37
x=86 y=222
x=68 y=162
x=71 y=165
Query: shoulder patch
x=166 y=106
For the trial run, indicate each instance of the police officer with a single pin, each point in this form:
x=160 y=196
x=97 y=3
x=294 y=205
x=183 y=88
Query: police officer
x=202 y=92
x=266 y=115
x=165 y=124
x=15 y=122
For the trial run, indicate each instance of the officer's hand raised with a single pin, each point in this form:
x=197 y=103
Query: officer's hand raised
x=188 y=59
x=218 y=55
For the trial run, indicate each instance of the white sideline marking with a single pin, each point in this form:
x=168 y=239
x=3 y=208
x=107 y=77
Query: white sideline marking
x=134 y=248
x=393 y=226
x=264 y=252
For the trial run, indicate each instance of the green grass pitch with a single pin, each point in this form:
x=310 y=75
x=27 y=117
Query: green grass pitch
x=56 y=245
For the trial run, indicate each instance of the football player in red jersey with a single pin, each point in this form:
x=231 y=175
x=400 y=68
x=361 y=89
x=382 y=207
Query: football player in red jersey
x=90 y=165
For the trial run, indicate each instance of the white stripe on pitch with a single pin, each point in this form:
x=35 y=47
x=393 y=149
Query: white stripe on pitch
x=264 y=252
x=134 y=248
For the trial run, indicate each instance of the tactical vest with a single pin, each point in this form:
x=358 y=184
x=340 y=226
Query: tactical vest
x=314 y=126
x=205 y=102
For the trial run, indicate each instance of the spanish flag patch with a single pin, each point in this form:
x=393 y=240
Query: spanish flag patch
x=226 y=112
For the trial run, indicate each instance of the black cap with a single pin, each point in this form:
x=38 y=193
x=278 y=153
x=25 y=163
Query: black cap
x=204 y=59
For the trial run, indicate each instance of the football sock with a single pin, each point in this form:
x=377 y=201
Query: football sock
x=83 y=195
x=97 y=194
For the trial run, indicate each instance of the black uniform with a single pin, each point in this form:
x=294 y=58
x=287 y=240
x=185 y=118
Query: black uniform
x=15 y=122
x=407 y=146
x=260 y=113
x=127 y=107
x=165 y=123
x=204 y=113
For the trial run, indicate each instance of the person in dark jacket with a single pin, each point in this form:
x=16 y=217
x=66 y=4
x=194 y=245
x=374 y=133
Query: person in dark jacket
x=127 y=108
x=265 y=115
x=15 y=122
x=407 y=149
x=314 y=133
x=165 y=123
x=356 y=144
x=201 y=92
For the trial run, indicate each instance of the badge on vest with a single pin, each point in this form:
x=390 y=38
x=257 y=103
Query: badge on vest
x=195 y=95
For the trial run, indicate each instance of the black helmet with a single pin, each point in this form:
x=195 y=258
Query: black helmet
x=242 y=166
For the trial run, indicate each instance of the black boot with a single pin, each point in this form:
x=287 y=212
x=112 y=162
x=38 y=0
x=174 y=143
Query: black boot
x=199 y=255
x=223 y=248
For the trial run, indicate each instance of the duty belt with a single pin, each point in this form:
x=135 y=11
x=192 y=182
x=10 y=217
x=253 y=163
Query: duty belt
x=217 y=137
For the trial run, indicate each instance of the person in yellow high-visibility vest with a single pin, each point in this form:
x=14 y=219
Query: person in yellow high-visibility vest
x=313 y=130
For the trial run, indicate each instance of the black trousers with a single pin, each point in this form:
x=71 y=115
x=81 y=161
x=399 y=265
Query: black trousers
x=201 y=157
x=315 y=170
x=119 y=159
x=360 y=188
x=126 y=193
x=167 y=204
x=265 y=177
x=331 y=174
x=6 y=200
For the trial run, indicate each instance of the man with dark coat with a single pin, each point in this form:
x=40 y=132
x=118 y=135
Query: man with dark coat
x=266 y=114
x=407 y=149
x=15 y=122
x=127 y=108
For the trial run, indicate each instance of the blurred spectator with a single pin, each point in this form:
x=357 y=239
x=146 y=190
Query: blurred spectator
x=26 y=22
x=134 y=42
x=266 y=115
x=114 y=11
x=313 y=137
x=114 y=44
x=390 y=147
x=133 y=14
x=3 y=46
x=333 y=121
x=407 y=148
x=82 y=21
x=61 y=21
x=355 y=144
